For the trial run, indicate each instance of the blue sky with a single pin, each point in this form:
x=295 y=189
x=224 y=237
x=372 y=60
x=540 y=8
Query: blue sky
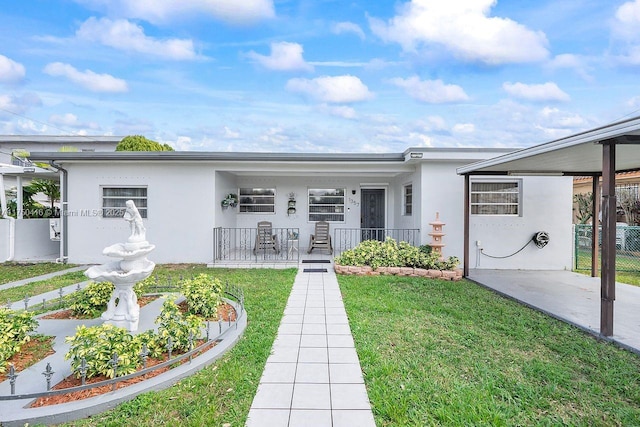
x=319 y=75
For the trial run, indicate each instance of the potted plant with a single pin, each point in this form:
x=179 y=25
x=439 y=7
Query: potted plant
x=230 y=200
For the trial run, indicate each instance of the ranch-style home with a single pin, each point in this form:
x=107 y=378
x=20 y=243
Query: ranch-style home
x=205 y=207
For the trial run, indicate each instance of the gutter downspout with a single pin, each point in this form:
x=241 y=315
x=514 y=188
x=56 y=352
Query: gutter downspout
x=64 y=202
x=12 y=221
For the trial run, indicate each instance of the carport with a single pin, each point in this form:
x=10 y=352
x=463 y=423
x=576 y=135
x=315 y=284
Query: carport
x=599 y=152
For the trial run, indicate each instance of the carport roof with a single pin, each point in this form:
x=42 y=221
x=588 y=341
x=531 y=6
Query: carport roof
x=579 y=154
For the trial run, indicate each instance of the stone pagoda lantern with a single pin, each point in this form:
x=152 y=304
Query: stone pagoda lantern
x=437 y=234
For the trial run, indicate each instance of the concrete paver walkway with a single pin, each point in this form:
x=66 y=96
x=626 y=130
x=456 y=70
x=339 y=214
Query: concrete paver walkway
x=313 y=376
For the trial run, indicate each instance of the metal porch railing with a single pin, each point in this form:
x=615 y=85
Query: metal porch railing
x=348 y=238
x=245 y=245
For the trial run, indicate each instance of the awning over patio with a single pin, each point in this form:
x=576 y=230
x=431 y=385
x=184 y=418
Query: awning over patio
x=598 y=152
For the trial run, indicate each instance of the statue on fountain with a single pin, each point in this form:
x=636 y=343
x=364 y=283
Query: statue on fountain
x=124 y=274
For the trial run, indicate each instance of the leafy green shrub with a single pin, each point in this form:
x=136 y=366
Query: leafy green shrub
x=15 y=327
x=97 y=345
x=155 y=347
x=389 y=253
x=172 y=323
x=92 y=300
x=203 y=294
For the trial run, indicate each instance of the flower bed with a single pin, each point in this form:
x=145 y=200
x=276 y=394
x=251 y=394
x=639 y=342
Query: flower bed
x=373 y=257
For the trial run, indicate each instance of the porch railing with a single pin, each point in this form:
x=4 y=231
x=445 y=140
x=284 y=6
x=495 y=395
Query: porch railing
x=245 y=245
x=348 y=238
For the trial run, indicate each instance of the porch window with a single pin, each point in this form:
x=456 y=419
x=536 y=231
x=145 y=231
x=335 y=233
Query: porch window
x=408 y=199
x=114 y=200
x=257 y=200
x=326 y=204
x=495 y=198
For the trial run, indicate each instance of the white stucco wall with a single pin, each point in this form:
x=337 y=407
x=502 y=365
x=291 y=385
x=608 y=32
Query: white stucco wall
x=33 y=240
x=4 y=239
x=443 y=193
x=181 y=210
x=546 y=206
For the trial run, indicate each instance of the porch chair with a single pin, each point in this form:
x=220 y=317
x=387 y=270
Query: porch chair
x=321 y=239
x=265 y=239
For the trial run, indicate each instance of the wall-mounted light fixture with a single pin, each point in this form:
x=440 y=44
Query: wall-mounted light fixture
x=353 y=192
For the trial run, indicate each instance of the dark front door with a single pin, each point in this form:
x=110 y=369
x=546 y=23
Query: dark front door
x=372 y=214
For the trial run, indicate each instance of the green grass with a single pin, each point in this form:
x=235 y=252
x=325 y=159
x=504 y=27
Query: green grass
x=11 y=271
x=35 y=288
x=625 y=266
x=223 y=392
x=456 y=354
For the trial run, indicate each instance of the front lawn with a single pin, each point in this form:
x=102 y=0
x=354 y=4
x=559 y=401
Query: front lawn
x=11 y=271
x=456 y=354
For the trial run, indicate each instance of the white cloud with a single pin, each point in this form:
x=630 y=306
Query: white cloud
x=463 y=128
x=71 y=120
x=578 y=63
x=431 y=91
x=627 y=19
x=165 y=11
x=124 y=35
x=555 y=123
x=343 y=111
x=536 y=92
x=626 y=38
x=347 y=27
x=11 y=71
x=227 y=133
x=334 y=90
x=87 y=79
x=19 y=104
x=284 y=56
x=464 y=28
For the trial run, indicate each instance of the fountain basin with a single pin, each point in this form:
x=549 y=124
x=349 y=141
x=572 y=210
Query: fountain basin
x=115 y=273
x=129 y=251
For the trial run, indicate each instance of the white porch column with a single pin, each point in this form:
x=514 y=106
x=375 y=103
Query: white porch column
x=3 y=199
x=19 y=201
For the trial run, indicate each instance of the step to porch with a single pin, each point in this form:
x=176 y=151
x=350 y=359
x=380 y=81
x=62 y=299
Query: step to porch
x=316 y=261
x=314 y=270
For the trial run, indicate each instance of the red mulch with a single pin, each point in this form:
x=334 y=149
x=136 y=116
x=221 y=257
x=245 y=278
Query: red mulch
x=28 y=356
x=68 y=314
x=72 y=381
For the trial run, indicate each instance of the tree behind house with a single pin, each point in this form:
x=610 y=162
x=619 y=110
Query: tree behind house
x=584 y=210
x=140 y=143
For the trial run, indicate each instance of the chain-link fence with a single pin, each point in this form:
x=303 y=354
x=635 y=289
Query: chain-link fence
x=627 y=247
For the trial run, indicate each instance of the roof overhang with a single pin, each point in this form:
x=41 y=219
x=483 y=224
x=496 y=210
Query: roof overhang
x=283 y=164
x=579 y=154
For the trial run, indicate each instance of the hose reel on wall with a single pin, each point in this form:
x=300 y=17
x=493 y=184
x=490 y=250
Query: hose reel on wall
x=540 y=239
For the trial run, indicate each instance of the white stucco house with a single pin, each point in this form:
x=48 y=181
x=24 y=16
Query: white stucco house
x=180 y=194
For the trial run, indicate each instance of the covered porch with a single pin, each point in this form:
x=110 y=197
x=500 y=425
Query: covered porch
x=568 y=296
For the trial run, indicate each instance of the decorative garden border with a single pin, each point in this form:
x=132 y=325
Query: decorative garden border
x=366 y=270
x=16 y=411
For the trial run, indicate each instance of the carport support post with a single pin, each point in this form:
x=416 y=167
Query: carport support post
x=595 y=224
x=465 y=261
x=608 y=268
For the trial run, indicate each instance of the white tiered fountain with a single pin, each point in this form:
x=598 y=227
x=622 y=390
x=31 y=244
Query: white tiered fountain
x=124 y=274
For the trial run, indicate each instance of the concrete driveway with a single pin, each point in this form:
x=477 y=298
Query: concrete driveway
x=572 y=297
